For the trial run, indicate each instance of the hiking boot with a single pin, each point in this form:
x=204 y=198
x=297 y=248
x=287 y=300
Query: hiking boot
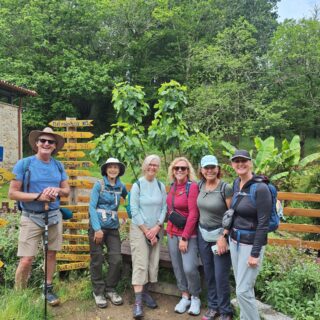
x=100 y=300
x=194 y=309
x=52 y=298
x=210 y=315
x=114 y=298
x=148 y=300
x=183 y=305
x=137 y=310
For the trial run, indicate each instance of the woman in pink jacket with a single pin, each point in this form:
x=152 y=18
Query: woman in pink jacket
x=183 y=216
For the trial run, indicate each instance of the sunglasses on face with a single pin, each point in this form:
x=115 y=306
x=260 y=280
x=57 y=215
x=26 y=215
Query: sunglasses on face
x=242 y=160
x=209 y=167
x=47 y=140
x=180 y=168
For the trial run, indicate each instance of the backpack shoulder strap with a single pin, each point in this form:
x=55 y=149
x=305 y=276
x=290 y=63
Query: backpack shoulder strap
x=58 y=164
x=188 y=185
x=200 y=184
x=26 y=173
x=102 y=185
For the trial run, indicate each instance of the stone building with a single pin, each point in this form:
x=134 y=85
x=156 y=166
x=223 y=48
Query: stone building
x=11 y=98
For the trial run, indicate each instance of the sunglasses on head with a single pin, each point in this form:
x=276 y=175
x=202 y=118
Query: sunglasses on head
x=180 y=168
x=238 y=160
x=209 y=167
x=47 y=140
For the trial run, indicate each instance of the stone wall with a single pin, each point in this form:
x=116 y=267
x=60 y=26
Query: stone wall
x=9 y=134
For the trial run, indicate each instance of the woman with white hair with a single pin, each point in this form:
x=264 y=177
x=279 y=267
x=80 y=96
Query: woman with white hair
x=148 y=207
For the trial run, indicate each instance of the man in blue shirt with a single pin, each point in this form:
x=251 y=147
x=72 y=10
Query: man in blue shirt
x=39 y=183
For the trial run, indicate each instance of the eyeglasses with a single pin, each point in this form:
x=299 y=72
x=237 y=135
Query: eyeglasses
x=238 y=160
x=153 y=165
x=180 y=168
x=47 y=140
x=212 y=167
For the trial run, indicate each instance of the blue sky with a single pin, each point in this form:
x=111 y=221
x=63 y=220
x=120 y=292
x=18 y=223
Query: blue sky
x=296 y=9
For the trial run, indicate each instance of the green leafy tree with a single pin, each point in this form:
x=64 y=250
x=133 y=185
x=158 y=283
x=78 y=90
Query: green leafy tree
x=282 y=166
x=126 y=140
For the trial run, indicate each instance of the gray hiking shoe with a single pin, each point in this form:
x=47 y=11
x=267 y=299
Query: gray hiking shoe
x=100 y=300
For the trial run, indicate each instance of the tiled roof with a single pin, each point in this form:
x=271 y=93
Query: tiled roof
x=19 y=90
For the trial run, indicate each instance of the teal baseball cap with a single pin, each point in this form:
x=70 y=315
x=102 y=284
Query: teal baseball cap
x=208 y=160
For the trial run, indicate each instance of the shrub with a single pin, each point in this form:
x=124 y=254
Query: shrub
x=8 y=249
x=290 y=282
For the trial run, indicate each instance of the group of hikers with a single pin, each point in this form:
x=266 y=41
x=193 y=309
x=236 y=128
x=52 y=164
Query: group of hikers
x=205 y=220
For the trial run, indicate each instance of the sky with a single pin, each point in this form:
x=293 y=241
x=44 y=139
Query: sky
x=296 y=9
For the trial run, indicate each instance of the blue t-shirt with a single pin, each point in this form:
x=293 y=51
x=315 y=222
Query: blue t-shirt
x=42 y=175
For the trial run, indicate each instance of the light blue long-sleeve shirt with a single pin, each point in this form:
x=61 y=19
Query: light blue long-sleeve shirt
x=148 y=203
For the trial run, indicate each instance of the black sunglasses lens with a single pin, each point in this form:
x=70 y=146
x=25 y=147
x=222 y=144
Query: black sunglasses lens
x=180 y=168
x=46 y=140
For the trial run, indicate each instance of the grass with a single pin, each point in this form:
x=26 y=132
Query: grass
x=23 y=305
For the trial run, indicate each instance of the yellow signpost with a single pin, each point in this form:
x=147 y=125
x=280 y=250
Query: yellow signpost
x=79 y=146
x=3 y=222
x=76 y=134
x=72 y=151
x=71 y=154
x=70 y=123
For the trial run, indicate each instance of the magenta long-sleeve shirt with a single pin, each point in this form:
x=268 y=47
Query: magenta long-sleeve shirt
x=186 y=206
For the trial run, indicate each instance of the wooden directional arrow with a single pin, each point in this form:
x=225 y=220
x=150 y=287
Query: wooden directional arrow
x=84 y=184
x=78 y=164
x=75 y=247
x=5 y=176
x=72 y=266
x=76 y=134
x=76 y=225
x=1 y=264
x=80 y=215
x=77 y=207
x=79 y=146
x=85 y=199
x=77 y=237
x=73 y=257
x=70 y=123
x=75 y=173
x=71 y=154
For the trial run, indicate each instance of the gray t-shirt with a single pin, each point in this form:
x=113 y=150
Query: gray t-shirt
x=212 y=205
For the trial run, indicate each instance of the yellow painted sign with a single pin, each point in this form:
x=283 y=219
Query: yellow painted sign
x=72 y=266
x=71 y=154
x=5 y=176
x=73 y=257
x=76 y=135
x=3 y=222
x=78 y=164
x=77 y=207
x=83 y=199
x=76 y=225
x=79 y=146
x=80 y=215
x=79 y=237
x=85 y=184
x=1 y=264
x=75 y=173
x=75 y=247
x=70 y=123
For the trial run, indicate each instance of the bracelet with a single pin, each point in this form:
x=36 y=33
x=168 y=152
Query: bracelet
x=38 y=196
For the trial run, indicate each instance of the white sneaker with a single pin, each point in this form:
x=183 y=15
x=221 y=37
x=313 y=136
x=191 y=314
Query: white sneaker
x=114 y=298
x=183 y=305
x=195 y=306
x=100 y=300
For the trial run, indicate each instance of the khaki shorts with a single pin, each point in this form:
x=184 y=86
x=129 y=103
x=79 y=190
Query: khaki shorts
x=145 y=258
x=31 y=234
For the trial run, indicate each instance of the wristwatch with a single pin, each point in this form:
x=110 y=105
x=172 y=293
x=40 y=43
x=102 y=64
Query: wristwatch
x=226 y=236
x=183 y=239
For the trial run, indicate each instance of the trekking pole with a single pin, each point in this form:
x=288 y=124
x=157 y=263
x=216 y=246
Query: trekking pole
x=45 y=243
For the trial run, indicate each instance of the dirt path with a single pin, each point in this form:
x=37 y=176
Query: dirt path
x=87 y=310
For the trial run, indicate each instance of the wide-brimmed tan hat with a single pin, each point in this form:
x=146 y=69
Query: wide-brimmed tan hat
x=35 y=134
x=122 y=167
